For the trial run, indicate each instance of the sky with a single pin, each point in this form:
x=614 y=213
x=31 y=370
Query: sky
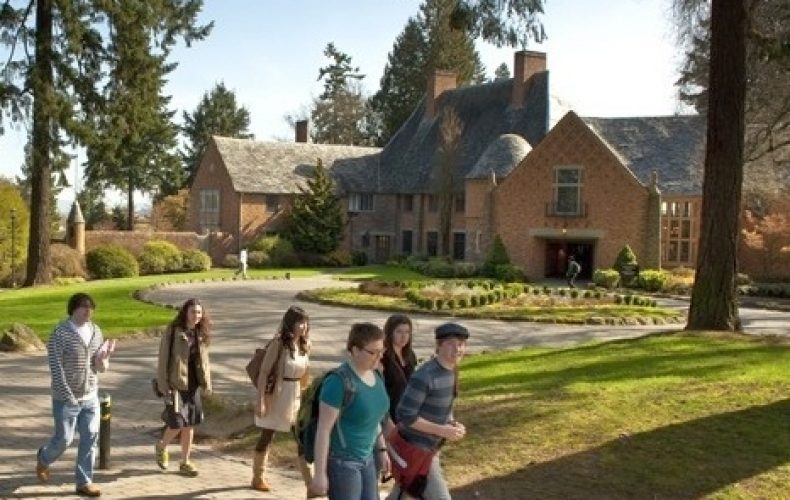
x=605 y=58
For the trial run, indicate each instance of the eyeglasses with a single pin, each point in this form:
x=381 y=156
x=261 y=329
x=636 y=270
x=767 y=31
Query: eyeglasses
x=373 y=353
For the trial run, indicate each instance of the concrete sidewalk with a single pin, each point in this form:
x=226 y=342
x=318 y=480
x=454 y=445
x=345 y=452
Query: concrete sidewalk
x=245 y=314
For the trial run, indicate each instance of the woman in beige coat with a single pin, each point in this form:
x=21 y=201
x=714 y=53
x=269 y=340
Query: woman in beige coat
x=278 y=397
x=183 y=371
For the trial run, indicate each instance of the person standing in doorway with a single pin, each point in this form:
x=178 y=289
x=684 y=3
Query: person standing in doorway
x=425 y=412
x=242 y=264
x=76 y=352
x=183 y=371
x=573 y=271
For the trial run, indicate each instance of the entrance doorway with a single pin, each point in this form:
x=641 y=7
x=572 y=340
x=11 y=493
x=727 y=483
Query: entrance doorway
x=558 y=251
x=382 y=254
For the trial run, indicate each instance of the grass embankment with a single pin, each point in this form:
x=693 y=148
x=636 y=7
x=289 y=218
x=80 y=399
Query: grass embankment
x=117 y=311
x=670 y=416
x=574 y=314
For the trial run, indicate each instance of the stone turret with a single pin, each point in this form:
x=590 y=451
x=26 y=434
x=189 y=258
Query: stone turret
x=75 y=229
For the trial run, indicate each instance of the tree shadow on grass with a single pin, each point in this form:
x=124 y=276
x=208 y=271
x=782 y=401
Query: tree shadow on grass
x=684 y=460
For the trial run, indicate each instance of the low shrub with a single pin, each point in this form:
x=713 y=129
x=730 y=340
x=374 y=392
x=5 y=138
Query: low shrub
x=653 y=280
x=575 y=293
x=66 y=262
x=195 y=260
x=111 y=261
x=742 y=279
x=508 y=273
x=232 y=260
x=160 y=257
x=279 y=250
x=257 y=259
x=608 y=278
x=359 y=258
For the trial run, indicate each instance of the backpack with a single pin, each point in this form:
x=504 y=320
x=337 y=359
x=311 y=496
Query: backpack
x=307 y=419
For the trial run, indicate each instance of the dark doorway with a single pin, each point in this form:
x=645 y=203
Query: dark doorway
x=557 y=253
x=382 y=249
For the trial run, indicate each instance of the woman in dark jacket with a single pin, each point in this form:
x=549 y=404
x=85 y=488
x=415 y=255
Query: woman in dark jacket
x=398 y=361
x=183 y=372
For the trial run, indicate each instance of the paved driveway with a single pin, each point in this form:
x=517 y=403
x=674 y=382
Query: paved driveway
x=245 y=313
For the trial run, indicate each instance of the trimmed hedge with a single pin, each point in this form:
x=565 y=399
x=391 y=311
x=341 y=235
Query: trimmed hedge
x=653 y=280
x=608 y=278
x=111 y=261
x=160 y=257
x=195 y=260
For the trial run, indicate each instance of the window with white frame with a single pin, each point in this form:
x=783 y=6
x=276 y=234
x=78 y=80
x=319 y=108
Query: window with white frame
x=360 y=202
x=567 y=190
x=209 y=210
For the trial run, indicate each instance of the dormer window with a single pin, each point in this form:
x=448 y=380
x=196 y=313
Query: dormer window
x=567 y=190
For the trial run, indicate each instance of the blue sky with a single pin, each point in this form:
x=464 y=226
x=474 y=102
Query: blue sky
x=605 y=57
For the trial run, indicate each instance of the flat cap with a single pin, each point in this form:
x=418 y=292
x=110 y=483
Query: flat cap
x=447 y=330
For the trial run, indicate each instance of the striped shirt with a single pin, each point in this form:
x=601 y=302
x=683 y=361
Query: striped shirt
x=72 y=363
x=428 y=395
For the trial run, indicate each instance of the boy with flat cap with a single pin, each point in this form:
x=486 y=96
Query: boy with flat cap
x=425 y=412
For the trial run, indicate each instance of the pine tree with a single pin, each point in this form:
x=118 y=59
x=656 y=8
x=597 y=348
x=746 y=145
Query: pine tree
x=316 y=219
x=65 y=103
x=502 y=72
x=216 y=114
x=427 y=43
x=338 y=114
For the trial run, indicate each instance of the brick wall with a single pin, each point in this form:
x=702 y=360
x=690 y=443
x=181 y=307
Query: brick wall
x=134 y=240
x=257 y=218
x=615 y=201
x=212 y=174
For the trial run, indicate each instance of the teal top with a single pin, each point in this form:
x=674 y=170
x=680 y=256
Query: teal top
x=359 y=422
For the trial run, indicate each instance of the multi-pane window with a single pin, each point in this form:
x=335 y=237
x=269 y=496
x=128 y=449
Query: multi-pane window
x=567 y=190
x=209 y=210
x=272 y=203
x=406 y=241
x=460 y=202
x=407 y=202
x=459 y=246
x=678 y=232
x=432 y=243
x=360 y=202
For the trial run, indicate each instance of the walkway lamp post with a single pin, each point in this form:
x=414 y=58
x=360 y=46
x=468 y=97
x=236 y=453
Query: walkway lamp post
x=13 y=250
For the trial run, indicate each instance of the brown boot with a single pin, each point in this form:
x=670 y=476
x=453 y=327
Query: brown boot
x=258 y=468
x=305 y=469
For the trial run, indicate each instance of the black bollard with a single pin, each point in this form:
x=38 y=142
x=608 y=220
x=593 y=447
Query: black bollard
x=105 y=402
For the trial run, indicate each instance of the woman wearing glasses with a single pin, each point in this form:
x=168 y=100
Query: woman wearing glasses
x=349 y=442
x=284 y=372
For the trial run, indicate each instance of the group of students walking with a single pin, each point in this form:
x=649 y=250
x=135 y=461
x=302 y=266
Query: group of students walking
x=379 y=413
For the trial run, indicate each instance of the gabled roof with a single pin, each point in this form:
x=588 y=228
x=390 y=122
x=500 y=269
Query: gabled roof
x=283 y=167
x=409 y=162
x=673 y=146
x=500 y=157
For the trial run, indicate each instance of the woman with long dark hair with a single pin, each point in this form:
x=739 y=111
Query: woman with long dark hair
x=398 y=361
x=284 y=372
x=183 y=370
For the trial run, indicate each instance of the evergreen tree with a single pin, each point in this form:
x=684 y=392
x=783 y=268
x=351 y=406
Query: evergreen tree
x=316 y=219
x=502 y=72
x=427 y=43
x=339 y=113
x=66 y=102
x=94 y=210
x=511 y=23
x=216 y=114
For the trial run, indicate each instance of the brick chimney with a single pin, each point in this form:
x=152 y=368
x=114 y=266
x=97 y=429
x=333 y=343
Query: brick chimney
x=301 y=131
x=438 y=83
x=526 y=63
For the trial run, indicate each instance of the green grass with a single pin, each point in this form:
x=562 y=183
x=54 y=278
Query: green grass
x=666 y=416
x=561 y=314
x=117 y=312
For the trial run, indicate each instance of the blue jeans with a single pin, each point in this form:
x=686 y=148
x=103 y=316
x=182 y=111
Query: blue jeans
x=436 y=488
x=83 y=417
x=351 y=479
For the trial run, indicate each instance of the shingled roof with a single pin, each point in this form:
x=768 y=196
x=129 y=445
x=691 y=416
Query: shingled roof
x=282 y=167
x=408 y=163
x=673 y=146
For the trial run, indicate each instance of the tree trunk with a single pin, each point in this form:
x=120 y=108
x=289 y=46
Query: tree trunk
x=713 y=298
x=38 y=259
x=130 y=206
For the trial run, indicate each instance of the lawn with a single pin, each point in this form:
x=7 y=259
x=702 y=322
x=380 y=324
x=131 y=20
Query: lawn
x=381 y=273
x=117 y=312
x=666 y=416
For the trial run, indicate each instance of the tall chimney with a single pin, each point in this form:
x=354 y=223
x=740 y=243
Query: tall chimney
x=438 y=83
x=301 y=131
x=526 y=63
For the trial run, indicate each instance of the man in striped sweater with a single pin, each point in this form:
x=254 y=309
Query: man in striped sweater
x=77 y=352
x=425 y=411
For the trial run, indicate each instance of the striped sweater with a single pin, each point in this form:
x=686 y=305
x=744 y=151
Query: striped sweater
x=73 y=364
